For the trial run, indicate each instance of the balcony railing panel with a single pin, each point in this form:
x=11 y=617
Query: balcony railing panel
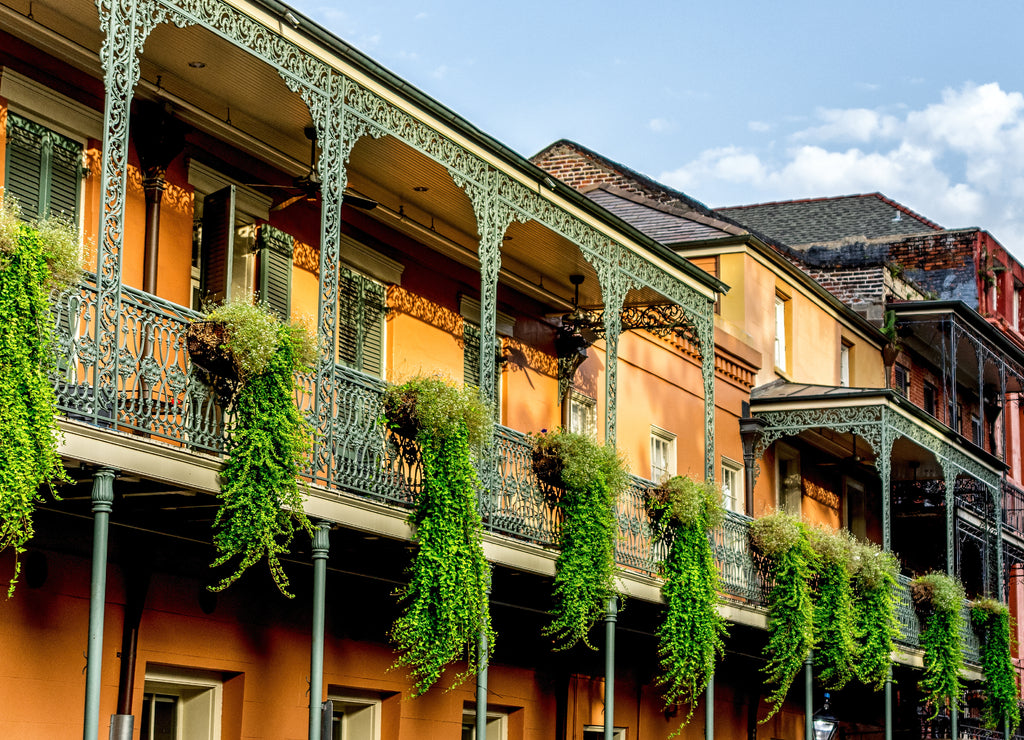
x=1013 y=508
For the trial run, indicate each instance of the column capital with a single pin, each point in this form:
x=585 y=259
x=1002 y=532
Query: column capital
x=321 y=540
x=103 y=490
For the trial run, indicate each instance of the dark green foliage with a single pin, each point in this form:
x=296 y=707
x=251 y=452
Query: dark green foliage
x=941 y=598
x=691 y=636
x=992 y=620
x=782 y=539
x=874 y=584
x=593 y=477
x=836 y=649
x=445 y=602
x=268 y=439
x=35 y=262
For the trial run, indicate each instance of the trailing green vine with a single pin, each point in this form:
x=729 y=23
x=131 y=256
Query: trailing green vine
x=36 y=262
x=874 y=591
x=268 y=440
x=691 y=636
x=992 y=619
x=941 y=599
x=593 y=478
x=782 y=539
x=835 y=635
x=445 y=602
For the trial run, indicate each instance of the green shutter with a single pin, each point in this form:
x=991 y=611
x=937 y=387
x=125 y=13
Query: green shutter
x=217 y=244
x=43 y=170
x=275 y=254
x=362 y=306
x=471 y=359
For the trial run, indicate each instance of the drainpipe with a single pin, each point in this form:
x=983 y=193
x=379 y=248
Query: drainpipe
x=809 y=696
x=136 y=587
x=321 y=546
x=610 y=617
x=102 y=501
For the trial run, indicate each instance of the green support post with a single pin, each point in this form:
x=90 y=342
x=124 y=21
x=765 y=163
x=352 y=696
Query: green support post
x=481 y=685
x=809 y=696
x=102 y=501
x=954 y=717
x=709 y=709
x=321 y=547
x=888 y=705
x=610 y=617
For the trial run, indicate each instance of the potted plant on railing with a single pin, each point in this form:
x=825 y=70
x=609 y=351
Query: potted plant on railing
x=991 y=619
x=690 y=639
x=445 y=604
x=268 y=439
x=939 y=600
x=37 y=261
x=782 y=539
x=591 y=478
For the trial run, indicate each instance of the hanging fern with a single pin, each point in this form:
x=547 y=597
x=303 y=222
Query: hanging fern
x=691 y=636
x=941 y=599
x=874 y=589
x=782 y=539
x=836 y=649
x=36 y=262
x=593 y=478
x=992 y=619
x=445 y=602
x=268 y=440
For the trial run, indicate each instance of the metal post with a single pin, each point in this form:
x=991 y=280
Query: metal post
x=321 y=546
x=954 y=712
x=709 y=709
x=102 y=500
x=809 y=696
x=888 y=705
x=481 y=685
x=610 y=617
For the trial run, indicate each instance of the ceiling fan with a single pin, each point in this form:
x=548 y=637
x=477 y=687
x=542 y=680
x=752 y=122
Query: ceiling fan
x=306 y=188
x=853 y=459
x=579 y=329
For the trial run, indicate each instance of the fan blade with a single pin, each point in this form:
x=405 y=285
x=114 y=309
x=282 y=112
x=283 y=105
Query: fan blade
x=285 y=203
x=358 y=201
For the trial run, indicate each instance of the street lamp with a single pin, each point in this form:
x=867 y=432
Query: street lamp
x=825 y=724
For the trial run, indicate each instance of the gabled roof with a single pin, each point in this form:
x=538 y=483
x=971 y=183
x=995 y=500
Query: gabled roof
x=661 y=222
x=816 y=220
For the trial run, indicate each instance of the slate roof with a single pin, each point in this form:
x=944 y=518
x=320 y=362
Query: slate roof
x=818 y=220
x=782 y=390
x=659 y=222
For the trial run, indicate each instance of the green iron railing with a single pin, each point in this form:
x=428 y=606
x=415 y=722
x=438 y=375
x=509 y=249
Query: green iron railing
x=158 y=394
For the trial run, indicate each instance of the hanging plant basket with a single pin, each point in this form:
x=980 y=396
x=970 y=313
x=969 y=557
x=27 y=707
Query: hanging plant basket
x=922 y=592
x=206 y=342
x=400 y=411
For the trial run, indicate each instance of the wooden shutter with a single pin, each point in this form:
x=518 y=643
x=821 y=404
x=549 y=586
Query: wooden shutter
x=362 y=305
x=471 y=360
x=217 y=245
x=275 y=255
x=44 y=170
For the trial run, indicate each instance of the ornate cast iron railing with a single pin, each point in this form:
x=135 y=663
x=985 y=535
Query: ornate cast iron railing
x=1013 y=508
x=157 y=394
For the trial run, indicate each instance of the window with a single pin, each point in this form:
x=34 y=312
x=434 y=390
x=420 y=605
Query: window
x=789 y=482
x=732 y=486
x=356 y=715
x=362 y=308
x=844 y=364
x=582 y=415
x=901 y=380
x=43 y=170
x=1015 y=314
x=663 y=454
x=497 y=725
x=931 y=404
x=181 y=704
x=976 y=429
x=781 y=306
x=856 y=508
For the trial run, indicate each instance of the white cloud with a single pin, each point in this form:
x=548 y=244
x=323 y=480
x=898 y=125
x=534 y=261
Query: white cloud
x=759 y=127
x=958 y=161
x=440 y=71
x=660 y=125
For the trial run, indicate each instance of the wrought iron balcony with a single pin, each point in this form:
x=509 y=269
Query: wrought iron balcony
x=147 y=386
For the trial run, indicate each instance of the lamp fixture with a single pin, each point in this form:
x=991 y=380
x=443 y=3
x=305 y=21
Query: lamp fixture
x=197 y=64
x=421 y=188
x=825 y=724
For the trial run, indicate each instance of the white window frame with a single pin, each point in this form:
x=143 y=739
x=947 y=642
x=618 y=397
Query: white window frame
x=365 y=704
x=582 y=414
x=662 y=437
x=497 y=725
x=787 y=498
x=733 y=496
x=844 y=364
x=200 y=699
x=780 y=332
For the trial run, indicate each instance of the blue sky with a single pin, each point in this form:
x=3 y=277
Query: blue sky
x=738 y=102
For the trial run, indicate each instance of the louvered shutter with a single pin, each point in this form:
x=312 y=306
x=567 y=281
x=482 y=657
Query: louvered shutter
x=471 y=360
x=362 y=305
x=44 y=170
x=24 y=166
x=217 y=244
x=275 y=253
